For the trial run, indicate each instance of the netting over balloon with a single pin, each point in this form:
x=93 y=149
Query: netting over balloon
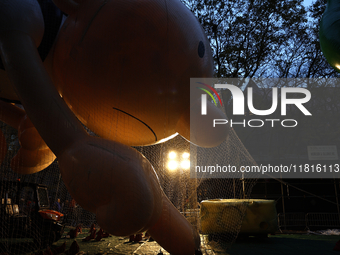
x=184 y=192
x=125 y=80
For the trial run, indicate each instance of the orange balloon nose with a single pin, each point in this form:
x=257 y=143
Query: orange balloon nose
x=124 y=67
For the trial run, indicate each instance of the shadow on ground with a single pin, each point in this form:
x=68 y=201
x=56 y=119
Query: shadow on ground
x=281 y=244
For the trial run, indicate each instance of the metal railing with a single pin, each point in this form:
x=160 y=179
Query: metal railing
x=292 y=221
x=306 y=221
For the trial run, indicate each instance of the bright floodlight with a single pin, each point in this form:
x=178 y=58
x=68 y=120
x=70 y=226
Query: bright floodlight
x=185 y=155
x=172 y=165
x=185 y=164
x=172 y=155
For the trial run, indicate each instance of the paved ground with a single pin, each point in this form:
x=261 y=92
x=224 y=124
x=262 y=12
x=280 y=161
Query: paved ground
x=112 y=245
x=281 y=244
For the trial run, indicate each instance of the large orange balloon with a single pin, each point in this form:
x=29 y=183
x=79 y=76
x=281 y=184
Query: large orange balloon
x=33 y=155
x=124 y=67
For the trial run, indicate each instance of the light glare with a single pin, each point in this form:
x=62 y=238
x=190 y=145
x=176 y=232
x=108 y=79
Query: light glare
x=185 y=164
x=172 y=165
x=185 y=155
x=172 y=155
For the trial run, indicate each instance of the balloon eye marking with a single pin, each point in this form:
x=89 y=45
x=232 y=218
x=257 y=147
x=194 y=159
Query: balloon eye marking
x=201 y=49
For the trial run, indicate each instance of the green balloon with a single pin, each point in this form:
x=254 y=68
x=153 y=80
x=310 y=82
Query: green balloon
x=329 y=34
